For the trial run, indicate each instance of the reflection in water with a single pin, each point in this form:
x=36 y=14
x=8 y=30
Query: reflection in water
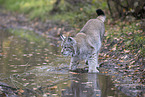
x=85 y=85
x=3 y=36
x=37 y=66
x=17 y=54
x=91 y=85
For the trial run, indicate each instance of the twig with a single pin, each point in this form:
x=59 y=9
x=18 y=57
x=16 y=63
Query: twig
x=11 y=78
x=26 y=65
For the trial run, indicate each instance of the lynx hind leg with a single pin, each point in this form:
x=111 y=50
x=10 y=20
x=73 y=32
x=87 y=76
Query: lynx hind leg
x=74 y=63
x=93 y=63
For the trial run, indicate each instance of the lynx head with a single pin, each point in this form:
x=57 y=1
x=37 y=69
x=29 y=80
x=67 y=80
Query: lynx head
x=67 y=45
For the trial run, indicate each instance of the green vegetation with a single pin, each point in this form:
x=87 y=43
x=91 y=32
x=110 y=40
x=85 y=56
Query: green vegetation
x=42 y=9
x=128 y=37
x=34 y=8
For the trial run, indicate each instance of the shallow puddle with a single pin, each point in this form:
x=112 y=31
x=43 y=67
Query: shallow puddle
x=37 y=66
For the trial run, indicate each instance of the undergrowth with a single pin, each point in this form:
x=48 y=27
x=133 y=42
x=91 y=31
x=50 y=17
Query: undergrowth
x=127 y=36
x=33 y=8
x=41 y=9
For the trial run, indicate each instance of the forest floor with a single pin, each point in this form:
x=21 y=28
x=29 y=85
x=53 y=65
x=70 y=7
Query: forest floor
x=126 y=66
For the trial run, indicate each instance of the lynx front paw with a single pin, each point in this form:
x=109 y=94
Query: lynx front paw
x=93 y=71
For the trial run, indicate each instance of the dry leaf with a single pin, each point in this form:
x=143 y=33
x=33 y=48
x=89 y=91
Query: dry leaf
x=21 y=91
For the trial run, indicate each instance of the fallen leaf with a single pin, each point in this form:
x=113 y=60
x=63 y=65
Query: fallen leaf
x=98 y=95
x=21 y=91
x=73 y=73
x=126 y=51
x=132 y=62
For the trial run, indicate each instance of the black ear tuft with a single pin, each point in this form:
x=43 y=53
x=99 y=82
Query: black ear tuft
x=62 y=37
x=100 y=12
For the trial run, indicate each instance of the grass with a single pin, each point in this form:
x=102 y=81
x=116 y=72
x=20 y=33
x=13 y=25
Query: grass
x=130 y=36
x=34 y=8
x=41 y=9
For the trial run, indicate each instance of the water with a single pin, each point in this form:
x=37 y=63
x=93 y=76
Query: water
x=36 y=68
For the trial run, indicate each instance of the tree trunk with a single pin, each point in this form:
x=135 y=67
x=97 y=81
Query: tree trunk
x=55 y=7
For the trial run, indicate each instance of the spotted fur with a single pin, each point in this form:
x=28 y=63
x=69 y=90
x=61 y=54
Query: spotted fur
x=86 y=44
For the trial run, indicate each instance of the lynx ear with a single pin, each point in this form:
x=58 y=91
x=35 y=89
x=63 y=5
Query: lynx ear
x=72 y=40
x=62 y=37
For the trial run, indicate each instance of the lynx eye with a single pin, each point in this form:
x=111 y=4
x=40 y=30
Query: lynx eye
x=65 y=47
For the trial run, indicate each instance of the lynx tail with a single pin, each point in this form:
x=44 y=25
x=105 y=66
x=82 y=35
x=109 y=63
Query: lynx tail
x=101 y=15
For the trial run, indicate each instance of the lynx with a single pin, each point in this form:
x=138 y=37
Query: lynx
x=86 y=44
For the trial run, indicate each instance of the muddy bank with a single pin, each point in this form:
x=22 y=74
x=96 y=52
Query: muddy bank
x=130 y=79
x=37 y=69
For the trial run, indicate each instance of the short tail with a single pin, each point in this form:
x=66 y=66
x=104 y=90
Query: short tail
x=101 y=15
